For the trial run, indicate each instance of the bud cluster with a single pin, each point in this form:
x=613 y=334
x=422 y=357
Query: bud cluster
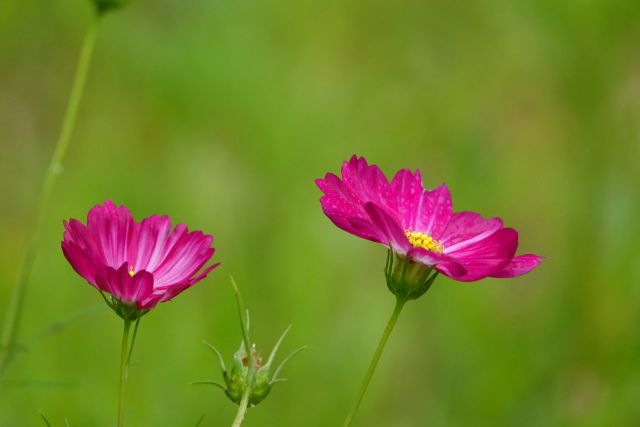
x=248 y=371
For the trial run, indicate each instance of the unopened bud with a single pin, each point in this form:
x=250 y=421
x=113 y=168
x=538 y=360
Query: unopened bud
x=237 y=378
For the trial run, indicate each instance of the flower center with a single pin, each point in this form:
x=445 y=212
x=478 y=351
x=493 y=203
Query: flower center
x=131 y=272
x=423 y=240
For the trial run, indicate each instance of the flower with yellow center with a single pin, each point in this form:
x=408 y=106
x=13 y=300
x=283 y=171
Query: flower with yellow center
x=423 y=240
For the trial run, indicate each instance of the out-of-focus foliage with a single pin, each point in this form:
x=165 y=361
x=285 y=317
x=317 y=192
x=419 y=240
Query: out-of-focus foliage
x=222 y=113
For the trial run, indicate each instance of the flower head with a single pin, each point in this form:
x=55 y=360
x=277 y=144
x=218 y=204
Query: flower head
x=139 y=264
x=420 y=228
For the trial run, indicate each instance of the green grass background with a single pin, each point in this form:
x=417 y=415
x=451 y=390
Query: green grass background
x=222 y=113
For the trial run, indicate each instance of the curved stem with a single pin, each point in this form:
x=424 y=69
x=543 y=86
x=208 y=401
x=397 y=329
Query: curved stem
x=124 y=355
x=242 y=408
x=376 y=358
x=14 y=309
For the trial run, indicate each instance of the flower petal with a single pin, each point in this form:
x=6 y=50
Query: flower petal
x=518 y=266
x=367 y=230
x=407 y=187
x=142 y=286
x=466 y=228
x=389 y=227
x=486 y=257
x=366 y=183
x=81 y=261
x=111 y=228
x=344 y=199
x=189 y=253
x=443 y=263
x=123 y=284
x=153 y=243
x=343 y=209
x=434 y=212
x=172 y=291
x=107 y=281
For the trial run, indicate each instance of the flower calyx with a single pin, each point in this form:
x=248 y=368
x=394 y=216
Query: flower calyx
x=406 y=278
x=128 y=312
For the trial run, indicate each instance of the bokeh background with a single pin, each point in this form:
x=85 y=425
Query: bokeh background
x=222 y=114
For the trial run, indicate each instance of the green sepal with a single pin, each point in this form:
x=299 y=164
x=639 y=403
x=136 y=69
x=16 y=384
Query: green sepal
x=406 y=278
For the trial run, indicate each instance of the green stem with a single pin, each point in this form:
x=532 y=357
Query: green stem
x=124 y=354
x=133 y=341
x=14 y=309
x=376 y=358
x=242 y=408
x=244 y=402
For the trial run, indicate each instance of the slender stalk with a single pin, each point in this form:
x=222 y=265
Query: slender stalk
x=133 y=342
x=242 y=408
x=376 y=358
x=16 y=303
x=243 y=326
x=124 y=355
x=244 y=402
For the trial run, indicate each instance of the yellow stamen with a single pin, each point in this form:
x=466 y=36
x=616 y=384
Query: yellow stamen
x=131 y=272
x=423 y=240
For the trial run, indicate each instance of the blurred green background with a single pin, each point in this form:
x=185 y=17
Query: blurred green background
x=222 y=114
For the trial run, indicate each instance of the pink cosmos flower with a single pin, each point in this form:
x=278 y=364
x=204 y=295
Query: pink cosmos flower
x=419 y=225
x=140 y=264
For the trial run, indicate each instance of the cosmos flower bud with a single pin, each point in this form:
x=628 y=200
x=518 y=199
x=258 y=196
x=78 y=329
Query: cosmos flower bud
x=238 y=378
x=106 y=5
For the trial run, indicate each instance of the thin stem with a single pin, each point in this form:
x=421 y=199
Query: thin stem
x=376 y=357
x=242 y=408
x=14 y=309
x=243 y=327
x=124 y=354
x=133 y=341
x=244 y=402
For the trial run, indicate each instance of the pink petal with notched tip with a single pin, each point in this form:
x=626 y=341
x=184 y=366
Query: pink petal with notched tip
x=434 y=212
x=407 y=187
x=76 y=233
x=186 y=257
x=389 y=227
x=81 y=261
x=367 y=183
x=518 y=266
x=443 y=263
x=174 y=290
x=111 y=228
x=367 y=230
x=152 y=245
x=120 y=284
x=466 y=228
x=340 y=206
x=343 y=200
x=487 y=256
